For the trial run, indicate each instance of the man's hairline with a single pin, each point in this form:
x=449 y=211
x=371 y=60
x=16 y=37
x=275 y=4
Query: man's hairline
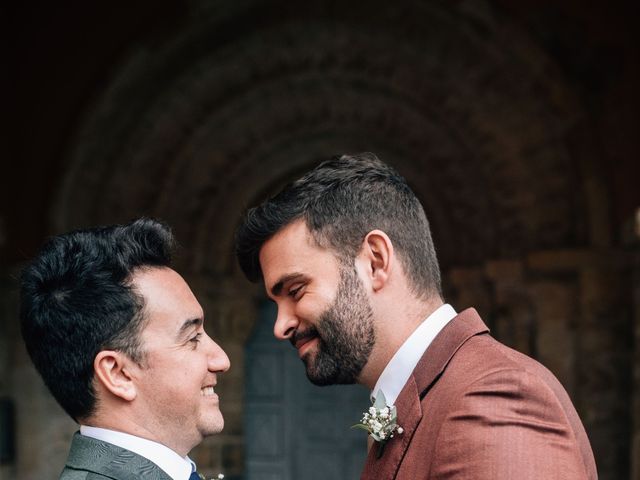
x=314 y=237
x=141 y=318
x=343 y=260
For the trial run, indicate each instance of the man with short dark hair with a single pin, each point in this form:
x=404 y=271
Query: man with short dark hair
x=346 y=254
x=118 y=337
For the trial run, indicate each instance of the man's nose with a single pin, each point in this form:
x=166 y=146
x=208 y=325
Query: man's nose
x=286 y=323
x=218 y=359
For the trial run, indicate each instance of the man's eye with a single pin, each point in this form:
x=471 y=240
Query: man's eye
x=195 y=339
x=294 y=292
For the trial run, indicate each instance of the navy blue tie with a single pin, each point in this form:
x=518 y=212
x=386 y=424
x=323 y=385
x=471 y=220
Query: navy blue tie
x=195 y=476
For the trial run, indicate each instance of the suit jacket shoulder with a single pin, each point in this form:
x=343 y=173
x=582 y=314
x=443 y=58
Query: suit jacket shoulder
x=476 y=409
x=91 y=459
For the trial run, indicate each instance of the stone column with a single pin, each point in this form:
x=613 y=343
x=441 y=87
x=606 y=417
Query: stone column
x=554 y=294
x=556 y=329
x=469 y=287
x=513 y=316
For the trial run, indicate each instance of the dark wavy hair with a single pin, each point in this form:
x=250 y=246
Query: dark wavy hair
x=76 y=300
x=341 y=200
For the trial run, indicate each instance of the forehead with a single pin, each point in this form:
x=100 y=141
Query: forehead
x=168 y=299
x=294 y=250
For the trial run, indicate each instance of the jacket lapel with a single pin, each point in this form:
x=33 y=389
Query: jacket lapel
x=409 y=416
x=431 y=366
x=117 y=463
x=427 y=372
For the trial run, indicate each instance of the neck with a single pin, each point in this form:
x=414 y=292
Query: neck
x=120 y=422
x=393 y=327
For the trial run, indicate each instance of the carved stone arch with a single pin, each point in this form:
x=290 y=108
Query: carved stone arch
x=477 y=125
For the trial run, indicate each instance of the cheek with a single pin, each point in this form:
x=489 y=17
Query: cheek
x=309 y=307
x=171 y=371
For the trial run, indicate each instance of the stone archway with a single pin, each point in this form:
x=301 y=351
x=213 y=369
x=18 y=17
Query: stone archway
x=460 y=101
x=477 y=124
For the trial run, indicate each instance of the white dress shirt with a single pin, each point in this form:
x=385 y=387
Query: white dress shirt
x=177 y=467
x=399 y=368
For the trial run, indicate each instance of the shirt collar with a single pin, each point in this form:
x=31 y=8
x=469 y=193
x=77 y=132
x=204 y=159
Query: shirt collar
x=177 y=467
x=399 y=368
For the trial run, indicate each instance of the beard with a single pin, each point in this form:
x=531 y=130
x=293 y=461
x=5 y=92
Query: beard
x=345 y=335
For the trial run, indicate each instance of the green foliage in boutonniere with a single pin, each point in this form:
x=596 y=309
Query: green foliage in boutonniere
x=380 y=421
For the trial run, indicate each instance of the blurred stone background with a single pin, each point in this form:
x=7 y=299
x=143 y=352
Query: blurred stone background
x=516 y=123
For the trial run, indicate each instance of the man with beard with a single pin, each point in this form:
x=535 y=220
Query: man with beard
x=118 y=337
x=346 y=254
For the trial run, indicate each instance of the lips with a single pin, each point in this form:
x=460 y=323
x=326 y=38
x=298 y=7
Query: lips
x=304 y=340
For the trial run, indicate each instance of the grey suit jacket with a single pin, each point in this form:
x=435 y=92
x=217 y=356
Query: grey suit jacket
x=91 y=459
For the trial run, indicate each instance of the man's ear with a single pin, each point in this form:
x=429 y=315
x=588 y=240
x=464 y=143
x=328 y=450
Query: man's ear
x=377 y=251
x=112 y=371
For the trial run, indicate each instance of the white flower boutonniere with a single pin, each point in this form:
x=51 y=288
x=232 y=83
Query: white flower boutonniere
x=380 y=422
x=219 y=477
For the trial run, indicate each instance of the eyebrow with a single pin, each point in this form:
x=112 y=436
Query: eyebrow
x=277 y=288
x=192 y=322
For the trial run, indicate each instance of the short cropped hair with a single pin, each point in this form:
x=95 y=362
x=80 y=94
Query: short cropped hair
x=76 y=299
x=341 y=201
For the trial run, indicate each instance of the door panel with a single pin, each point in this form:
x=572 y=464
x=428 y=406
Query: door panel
x=295 y=430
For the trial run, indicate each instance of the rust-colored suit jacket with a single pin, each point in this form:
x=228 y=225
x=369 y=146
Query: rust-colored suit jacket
x=476 y=409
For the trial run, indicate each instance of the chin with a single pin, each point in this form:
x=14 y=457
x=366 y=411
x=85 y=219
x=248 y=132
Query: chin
x=213 y=426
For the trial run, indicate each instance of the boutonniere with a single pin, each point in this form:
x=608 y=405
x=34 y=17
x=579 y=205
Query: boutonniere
x=219 y=477
x=380 y=422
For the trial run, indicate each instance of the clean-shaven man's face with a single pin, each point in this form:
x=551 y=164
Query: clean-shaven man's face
x=177 y=379
x=323 y=308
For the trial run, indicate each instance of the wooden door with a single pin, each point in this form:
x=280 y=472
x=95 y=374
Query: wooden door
x=293 y=429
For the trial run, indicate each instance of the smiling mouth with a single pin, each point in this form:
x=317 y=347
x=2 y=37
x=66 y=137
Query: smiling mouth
x=304 y=345
x=207 y=391
x=302 y=341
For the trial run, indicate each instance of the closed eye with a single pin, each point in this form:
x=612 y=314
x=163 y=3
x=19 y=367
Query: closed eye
x=195 y=340
x=294 y=292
